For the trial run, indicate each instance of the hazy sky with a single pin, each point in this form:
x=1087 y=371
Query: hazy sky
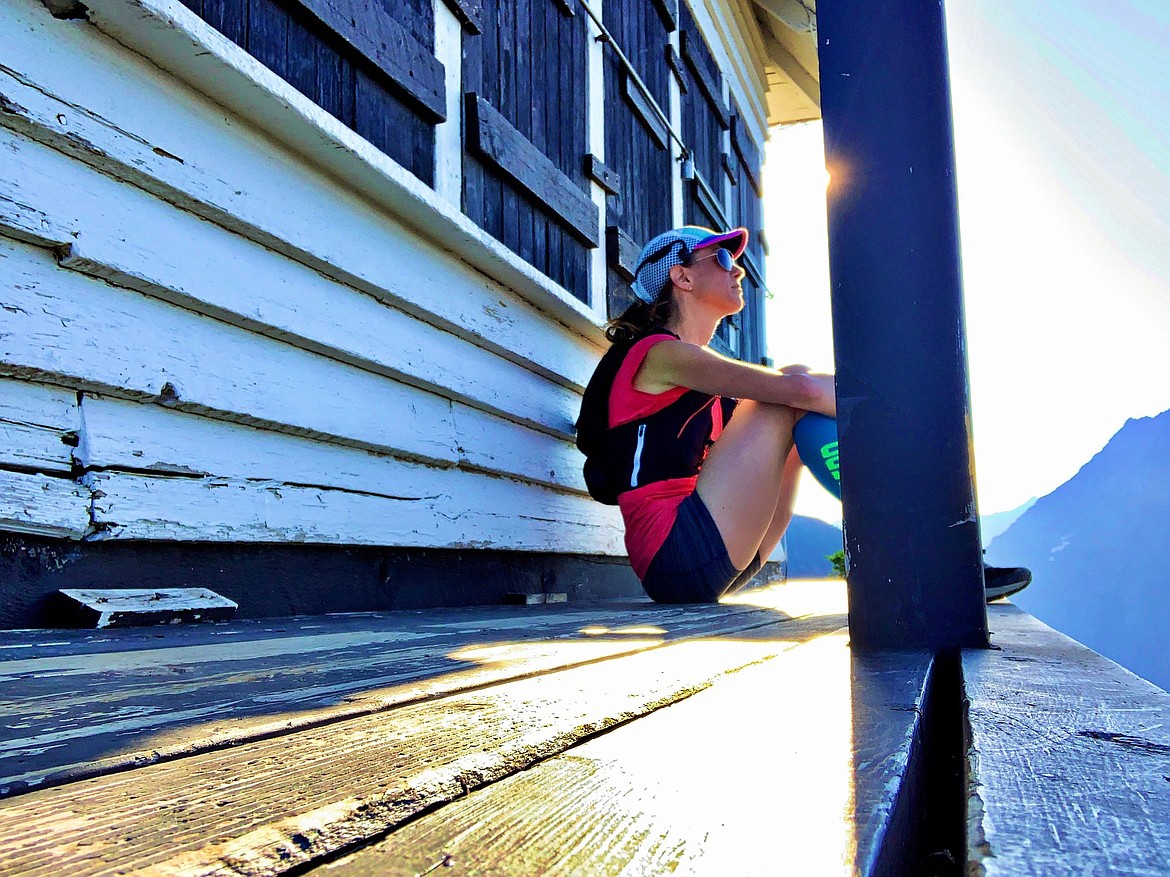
x=1062 y=127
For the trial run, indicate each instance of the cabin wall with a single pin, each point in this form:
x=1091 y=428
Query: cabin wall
x=233 y=312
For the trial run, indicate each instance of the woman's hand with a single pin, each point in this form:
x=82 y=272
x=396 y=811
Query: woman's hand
x=826 y=396
x=825 y=401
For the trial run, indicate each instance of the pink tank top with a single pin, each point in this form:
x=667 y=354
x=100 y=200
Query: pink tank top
x=649 y=511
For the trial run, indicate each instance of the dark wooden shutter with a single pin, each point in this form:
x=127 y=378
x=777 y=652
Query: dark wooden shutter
x=703 y=123
x=745 y=163
x=524 y=168
x=704 y=113
x=637 y=146
x=368 y=63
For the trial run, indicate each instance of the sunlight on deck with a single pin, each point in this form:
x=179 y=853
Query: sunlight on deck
x=673 y=768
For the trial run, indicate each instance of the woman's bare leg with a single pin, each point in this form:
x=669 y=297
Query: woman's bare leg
x=785 y=503
x=748 y=481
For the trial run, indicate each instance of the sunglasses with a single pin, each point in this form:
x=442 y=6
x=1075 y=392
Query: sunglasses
x=724 y=257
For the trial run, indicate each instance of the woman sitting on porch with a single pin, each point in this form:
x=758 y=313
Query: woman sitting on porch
x=704 y=495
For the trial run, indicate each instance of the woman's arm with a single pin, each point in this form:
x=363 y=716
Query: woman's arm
x=671 y=364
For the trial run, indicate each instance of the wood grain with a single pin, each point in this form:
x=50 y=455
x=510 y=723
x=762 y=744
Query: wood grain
x=270 y=805
x=749 y=154
x=675 y=63
x=668 y=10
x=64 y=323
x=43 y=505
x=130 y=607
x=146 y=438
x=494 y=138
x=622 y=252
x=604 y=176
x=1069 y=758
x=793 y=766
x=469 y=13
x=702 y=192
x=152 y=350
x=707 y=75
x=462 y=513
x=387 y=45
x=642 y=208
x=136 y=697
x=646 y=111
x=38 y=427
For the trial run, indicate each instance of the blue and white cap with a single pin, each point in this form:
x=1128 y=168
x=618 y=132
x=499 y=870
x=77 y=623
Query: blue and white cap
x=674 y=247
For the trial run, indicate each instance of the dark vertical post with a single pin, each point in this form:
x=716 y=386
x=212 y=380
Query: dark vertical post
x=911 y=531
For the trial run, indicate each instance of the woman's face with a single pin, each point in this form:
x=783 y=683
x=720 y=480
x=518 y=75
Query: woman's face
x=714 y=285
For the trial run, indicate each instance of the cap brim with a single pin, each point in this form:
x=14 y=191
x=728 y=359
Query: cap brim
x=739 y=237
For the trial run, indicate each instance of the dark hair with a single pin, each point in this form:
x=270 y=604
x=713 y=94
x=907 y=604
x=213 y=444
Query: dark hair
x=640 y=319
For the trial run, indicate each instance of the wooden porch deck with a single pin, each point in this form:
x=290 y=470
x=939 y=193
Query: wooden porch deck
x=573 y=739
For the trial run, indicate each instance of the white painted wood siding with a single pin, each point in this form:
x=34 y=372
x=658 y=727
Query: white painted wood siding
x=206 y=336
x=224 y=316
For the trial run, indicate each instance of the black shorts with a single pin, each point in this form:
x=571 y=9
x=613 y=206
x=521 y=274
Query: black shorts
x=692 y=566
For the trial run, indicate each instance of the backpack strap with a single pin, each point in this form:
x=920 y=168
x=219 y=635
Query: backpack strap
x=594 y=418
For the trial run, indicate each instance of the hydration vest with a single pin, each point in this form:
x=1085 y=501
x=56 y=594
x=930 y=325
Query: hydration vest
x=670 y=443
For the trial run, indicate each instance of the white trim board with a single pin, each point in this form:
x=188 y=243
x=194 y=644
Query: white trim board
x=480 y=514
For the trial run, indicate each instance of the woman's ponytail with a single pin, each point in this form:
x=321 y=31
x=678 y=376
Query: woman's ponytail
x=639 y=320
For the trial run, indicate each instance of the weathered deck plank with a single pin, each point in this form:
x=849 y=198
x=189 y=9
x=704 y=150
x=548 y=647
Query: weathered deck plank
x=1069 y=758
x=268 y=805
x=84 y=703
x=793 y=766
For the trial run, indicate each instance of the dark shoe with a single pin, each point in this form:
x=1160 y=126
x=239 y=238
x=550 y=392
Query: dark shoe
x=999 y=581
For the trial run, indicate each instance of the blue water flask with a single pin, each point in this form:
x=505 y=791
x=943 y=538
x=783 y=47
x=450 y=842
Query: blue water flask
x=816 y=442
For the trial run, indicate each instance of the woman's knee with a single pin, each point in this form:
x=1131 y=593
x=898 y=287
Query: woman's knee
x=767 y=415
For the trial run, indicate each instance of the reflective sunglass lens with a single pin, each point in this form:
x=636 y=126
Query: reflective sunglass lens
x=726 y=262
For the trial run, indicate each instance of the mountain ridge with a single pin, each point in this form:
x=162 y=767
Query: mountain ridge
x=1092 y=545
